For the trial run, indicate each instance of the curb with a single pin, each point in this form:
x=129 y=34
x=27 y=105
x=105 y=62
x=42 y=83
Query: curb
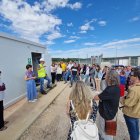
x=19 y=136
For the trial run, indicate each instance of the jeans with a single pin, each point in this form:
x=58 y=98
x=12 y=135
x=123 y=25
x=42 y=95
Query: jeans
x=73 y=78
x=63 y=75
x=86 y=78
x=68 y=73
x=133 y=127
x=48 y=81
x=41 y=84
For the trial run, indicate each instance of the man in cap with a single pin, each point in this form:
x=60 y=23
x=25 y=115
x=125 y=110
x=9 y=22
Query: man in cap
x=42 y=75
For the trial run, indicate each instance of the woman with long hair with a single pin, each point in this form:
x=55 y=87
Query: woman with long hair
x=81 y=99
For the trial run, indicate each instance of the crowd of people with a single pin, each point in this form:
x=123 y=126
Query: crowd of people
x=112 y=85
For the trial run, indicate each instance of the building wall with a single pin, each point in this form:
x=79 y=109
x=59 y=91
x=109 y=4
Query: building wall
x=14 y=57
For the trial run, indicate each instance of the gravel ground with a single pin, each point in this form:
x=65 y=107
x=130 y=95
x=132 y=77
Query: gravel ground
x=53 y=124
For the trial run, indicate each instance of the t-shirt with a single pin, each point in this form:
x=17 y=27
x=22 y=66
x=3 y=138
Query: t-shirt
x=122 y=80
x=63 y=65
x=109 y=102
x=74 y=70
x=29 y=74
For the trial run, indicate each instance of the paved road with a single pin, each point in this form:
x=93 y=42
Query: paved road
x=53 y=124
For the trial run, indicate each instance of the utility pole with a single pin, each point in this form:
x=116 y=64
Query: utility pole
x=116 y=55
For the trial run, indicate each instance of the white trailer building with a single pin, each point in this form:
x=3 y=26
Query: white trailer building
x=15 y=54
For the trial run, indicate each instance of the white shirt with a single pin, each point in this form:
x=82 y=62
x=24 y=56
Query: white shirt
x=87 y=71
x=1 y=92
x=59 y=70
x=53 y=69
x=69 y=66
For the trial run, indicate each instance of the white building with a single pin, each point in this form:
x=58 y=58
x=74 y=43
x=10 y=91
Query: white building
x=15 y=54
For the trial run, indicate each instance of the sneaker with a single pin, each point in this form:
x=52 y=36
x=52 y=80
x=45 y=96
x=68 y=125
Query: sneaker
x=43 y=92
x=32 y=101
x=49 y=87
x=35 y=99
x=3 y=128
x=29 y=101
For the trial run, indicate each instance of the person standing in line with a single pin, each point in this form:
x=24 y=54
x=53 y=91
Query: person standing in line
x=92 y=75
x=103 y=81
x=80 y=104
x=68 y=73
x=122 y=83
x=64 y=66
x=31 y=85
x=59 y=73
x=82 y=72
x=53 y=72
x=87 y=74
x=131 y=106
x=98 y=76
x=2 y=89
x=74 y=73
x=108 y=103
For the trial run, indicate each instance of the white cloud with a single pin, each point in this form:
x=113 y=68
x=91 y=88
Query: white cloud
x=89 y=5
x=50 y=5
x=69 y=41
x=87 y=26
x=70 y=24
x=102 y=23
x=121 y=42
x=90 y=44
x=137 y=18
x=29 y=21
x=74 y=37
x=54 y=35
x=125 y=48
x=33 y=21
x=75 y=6
x=83 y=32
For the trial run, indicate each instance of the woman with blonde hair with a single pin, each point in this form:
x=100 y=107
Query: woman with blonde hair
x=80 y=105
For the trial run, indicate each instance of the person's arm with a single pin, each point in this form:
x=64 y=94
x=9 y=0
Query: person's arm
x=26 y=78
x=96 y=97
x=131 y=99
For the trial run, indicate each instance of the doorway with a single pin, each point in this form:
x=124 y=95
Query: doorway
x=35 y=62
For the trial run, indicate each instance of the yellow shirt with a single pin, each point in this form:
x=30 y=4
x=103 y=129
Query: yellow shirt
x=63 y=65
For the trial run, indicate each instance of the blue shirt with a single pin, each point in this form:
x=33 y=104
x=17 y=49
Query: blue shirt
x=122 y=80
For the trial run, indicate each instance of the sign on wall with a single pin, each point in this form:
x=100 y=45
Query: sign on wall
x=29 y=61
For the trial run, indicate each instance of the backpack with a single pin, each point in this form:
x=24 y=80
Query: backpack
x=84 y=129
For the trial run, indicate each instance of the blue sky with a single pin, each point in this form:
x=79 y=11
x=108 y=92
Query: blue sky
x=75 y=28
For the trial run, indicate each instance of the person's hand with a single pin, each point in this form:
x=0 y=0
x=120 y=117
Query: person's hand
x=33 y=78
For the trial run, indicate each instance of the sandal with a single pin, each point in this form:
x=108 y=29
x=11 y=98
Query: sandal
x=5 y=122
x=3 y=128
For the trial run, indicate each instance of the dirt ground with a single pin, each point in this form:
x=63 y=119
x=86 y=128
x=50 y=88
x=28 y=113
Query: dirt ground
x=54 y=124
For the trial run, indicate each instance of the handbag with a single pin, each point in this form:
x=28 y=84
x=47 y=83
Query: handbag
x=111 y=127
x=2 y=87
